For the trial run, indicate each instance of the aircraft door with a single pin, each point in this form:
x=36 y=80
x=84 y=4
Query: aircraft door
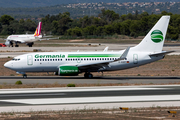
x=135 y=59
x=29 y=60
x=78 y=60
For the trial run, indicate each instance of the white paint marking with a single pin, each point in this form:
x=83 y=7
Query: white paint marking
x=95 y=99
x=74 y=90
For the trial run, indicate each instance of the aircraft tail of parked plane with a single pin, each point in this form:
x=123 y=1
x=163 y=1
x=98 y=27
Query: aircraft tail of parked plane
x=38 y=30
x=74 y=63
x=28 y=39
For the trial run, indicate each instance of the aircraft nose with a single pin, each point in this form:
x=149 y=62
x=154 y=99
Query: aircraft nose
x=7 y=65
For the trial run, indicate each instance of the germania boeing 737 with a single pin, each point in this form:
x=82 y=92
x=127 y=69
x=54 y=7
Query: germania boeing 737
x=73 y=63
x=27 y=38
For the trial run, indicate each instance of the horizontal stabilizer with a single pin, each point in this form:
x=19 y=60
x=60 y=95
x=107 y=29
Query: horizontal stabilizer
x=162 y=53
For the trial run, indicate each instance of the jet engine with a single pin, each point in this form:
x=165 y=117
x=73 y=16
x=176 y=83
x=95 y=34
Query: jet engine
x=68 y=71
x=7 y=43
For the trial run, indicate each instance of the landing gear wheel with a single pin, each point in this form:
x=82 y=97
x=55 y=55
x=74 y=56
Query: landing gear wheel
x=86 y=75
x=30 y=45
x=24 y=76
x=16 y=45
x=90 y=76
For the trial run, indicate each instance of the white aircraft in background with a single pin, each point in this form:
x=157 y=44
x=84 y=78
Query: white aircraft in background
x=27 y=38
x=73 y=63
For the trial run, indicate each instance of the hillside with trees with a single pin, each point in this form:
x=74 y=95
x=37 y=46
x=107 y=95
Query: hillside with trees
x=91 y=9
x=108 y=22
x=42 y=3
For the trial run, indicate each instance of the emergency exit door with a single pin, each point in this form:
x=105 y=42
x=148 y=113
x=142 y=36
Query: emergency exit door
x=29 y=60
x=135 y=59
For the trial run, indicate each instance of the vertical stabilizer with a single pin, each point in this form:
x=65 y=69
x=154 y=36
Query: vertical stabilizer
x=154 y=40
x=38 y=30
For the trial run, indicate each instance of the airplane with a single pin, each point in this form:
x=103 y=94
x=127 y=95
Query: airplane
x=74 y=63
x=27 y=38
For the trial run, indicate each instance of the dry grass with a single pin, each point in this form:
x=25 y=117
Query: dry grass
x=152 y=113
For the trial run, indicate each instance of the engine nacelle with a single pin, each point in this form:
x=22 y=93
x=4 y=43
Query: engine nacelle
x=68 y=71
x=7 y=43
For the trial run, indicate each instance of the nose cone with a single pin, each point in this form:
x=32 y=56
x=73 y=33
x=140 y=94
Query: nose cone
x=7 y=65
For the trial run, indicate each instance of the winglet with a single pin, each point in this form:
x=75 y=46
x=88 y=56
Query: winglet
x=124 y=55
x=105 y=49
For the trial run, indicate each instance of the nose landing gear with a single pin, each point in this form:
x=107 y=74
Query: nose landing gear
x=24 y=75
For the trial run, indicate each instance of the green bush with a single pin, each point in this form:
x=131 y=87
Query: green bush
x=71 y=85
x=18 y=82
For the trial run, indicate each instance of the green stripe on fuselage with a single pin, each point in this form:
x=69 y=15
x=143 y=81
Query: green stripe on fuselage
x=92 y=55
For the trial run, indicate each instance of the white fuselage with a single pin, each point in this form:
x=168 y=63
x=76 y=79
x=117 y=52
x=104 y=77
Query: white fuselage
x=23 y=38
x=51 y=61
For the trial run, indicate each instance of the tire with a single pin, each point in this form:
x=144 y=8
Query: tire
x=90 y=76
x=16 y=45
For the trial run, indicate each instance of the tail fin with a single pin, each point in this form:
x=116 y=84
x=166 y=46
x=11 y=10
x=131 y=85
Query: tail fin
x=154 y=40
x=38 y=30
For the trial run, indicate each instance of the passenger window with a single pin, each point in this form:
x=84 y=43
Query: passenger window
x=42 y=59
x=37 y=59
x=50 y=59
x=89 y=58
x=97 y=58
x=45 y=59
x=92 y=58
x=34 y=59
x=84 y=58
x=102 y=58
x=107 y=58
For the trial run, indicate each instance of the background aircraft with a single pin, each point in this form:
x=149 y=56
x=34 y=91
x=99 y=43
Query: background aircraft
x=28 y=39
x=73 y=63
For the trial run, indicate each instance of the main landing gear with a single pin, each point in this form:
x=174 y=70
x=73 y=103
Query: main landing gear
x=16 y=45
x=30 y=44
x=88 y=75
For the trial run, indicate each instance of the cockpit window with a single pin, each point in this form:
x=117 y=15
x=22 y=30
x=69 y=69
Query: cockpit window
x=16 y=59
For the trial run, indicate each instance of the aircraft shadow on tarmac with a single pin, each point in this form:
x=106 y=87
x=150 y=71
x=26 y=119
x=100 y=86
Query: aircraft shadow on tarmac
x=99 y=77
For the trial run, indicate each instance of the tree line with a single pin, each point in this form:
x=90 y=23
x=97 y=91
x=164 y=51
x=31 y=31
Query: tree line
x=106 y=23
